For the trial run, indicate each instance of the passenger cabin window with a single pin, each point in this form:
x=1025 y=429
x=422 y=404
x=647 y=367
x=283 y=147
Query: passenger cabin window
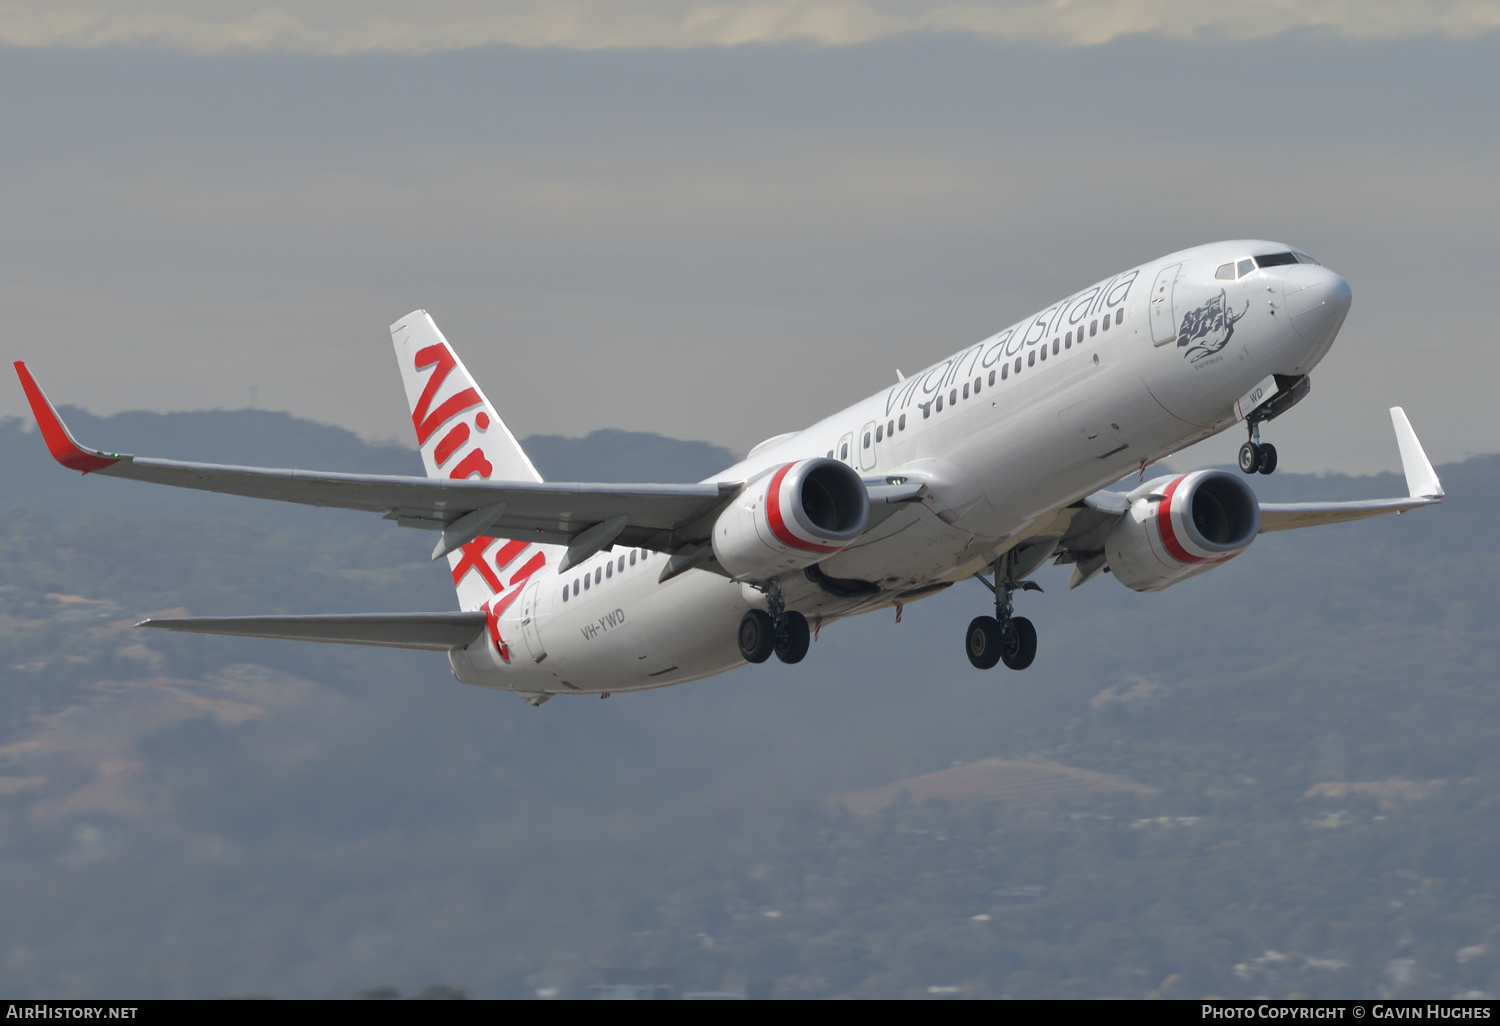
x=966 y=390
x=844 y=451
x=867 y=440
x=992 y=379
x=598 y=574
x=632 y=557
x=1120 y=316
x=621 y=567
x=565 y=593
x=585 y=582
x=977 y=383
x=1056 y=344
x=903 y=422
x=880 y=433
x=890 y=427
x=1030 y=359
x=1104 y=325
x=940 y=404
x=1093 y=328
x=1044 y=350
x=953 y=397
x=1018 y=365
x=1004 y=372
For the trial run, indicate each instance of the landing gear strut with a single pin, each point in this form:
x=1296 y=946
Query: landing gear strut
x=1257 y=457
x=1002 y=637
x=783 y=631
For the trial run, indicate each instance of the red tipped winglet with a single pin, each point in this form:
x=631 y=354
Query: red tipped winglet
x=60 y=442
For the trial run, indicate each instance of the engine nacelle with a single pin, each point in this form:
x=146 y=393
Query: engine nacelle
x=1182 y=526
x=798 y=514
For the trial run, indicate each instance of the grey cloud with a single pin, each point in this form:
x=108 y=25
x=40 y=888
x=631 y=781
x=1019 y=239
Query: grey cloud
x=343 y=27
x=724 y=244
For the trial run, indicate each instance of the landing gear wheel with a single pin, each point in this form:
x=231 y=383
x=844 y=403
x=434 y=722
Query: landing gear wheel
x=1266 y=464
x=1250 y=457
x=1018 y=647
x=983 y=642
x=757 y=636
x=792 y=637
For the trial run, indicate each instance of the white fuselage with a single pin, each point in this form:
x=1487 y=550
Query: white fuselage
x=1110 y=379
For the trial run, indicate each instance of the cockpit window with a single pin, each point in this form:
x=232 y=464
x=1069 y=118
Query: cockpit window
x=1246 y=266
x=1303 y=258
x=1225 y=272
x=1275 y=259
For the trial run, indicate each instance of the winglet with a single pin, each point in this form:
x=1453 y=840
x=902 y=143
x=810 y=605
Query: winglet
x=60 y=441
x=1421 y=480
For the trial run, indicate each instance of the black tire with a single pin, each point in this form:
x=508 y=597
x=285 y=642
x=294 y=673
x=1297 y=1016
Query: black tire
x=1267 y=462
x=757 y=636
x=983 y=643
x=1018 y=648
x=1249 y=457
x=792 y=638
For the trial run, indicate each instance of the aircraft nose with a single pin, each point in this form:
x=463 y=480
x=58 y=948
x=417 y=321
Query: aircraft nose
x=1317 y=300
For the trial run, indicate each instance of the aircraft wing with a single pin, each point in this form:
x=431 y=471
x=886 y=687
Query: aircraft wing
x=434 y=631
x=1083 y=526
x=664 y=517
x=1422 y=486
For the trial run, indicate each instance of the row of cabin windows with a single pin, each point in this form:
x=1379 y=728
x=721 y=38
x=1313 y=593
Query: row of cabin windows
x=602 y=572
x=1058 y=345
x=882 y=432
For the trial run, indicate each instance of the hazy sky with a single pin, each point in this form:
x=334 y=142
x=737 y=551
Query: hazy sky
x=722 y=221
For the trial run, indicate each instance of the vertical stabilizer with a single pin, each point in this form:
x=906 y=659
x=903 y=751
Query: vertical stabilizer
x=460 y=433
x=463 y=437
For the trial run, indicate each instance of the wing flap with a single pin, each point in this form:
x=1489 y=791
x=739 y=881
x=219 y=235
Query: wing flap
x=433 y=631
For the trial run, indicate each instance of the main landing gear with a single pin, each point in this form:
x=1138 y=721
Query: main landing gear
x=1002 y=637
x=1257 y=457
x=783 y=631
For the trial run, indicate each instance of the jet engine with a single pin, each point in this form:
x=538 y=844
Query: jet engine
x=1182 y=526
x=794 y=516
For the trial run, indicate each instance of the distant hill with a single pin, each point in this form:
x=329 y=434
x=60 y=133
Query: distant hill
x=1277 y=778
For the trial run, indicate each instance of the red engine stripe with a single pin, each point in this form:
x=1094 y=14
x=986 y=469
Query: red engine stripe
x=1168 y=533
x=778 y=524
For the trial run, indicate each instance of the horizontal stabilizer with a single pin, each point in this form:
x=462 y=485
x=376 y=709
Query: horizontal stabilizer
x=439 y=632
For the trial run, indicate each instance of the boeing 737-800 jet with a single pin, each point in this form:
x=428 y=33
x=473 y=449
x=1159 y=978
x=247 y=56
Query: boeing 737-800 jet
x=986 y=464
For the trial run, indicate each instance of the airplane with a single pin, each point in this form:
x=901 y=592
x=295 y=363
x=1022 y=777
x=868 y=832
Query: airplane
x=987 y=464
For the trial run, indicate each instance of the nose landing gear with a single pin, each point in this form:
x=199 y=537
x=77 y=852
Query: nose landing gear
x=1257 y=457
x=1002 y=637
x=783 y=631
